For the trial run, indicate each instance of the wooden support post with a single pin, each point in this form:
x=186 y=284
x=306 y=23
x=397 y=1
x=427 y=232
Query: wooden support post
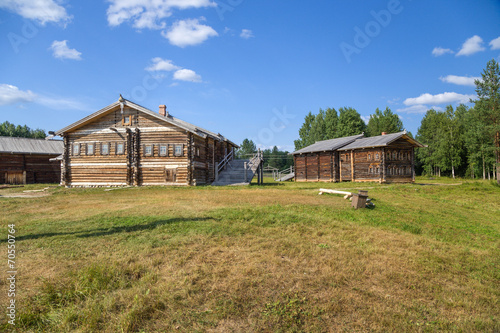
x=382 y=179
x=137 y=156
x=65 y=161
x=352 y=165
x=245 y=166
x=216 y=170
x=412 y=165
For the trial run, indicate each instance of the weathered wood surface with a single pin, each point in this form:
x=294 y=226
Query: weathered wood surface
x=28 y=169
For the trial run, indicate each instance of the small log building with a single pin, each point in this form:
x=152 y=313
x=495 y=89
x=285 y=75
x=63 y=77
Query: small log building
x=387 y=158
x=27 y=161
x=127 y=144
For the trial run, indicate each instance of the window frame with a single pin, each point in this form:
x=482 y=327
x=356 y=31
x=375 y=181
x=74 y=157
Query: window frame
x=87 y=149
x=150 y=147
x=127 y=123
x=77 y=147
x=181 y=151
x=105 y=144
x=117 y=151
x=165 y=146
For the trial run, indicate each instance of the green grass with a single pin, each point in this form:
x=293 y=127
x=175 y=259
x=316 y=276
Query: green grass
x=271 y=258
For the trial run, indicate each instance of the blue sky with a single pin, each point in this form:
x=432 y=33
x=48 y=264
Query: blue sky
x=246 y=69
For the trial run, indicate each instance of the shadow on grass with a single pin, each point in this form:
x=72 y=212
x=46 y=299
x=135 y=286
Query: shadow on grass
x=111 y=230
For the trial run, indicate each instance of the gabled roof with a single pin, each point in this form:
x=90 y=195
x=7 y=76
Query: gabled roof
x=328 y=145
x=30 y=146
x=168 y=119
x=380 y=141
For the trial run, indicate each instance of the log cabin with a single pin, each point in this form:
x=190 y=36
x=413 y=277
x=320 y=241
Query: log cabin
x=28 y=161
x=387 y=158
x=127 y=144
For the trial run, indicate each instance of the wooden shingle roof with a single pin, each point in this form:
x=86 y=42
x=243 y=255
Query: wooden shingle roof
x=13 y=145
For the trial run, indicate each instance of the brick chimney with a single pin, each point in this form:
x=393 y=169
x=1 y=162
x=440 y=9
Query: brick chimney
x=163 y=110
x=383 y=133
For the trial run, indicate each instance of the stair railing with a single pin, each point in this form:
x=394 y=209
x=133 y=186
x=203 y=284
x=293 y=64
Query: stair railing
x=284 y=172
x=219 y=166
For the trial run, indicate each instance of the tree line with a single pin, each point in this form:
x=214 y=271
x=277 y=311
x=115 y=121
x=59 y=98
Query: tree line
x=274 y=157
x=462 y=141
x=328 y=124
x=8 y=129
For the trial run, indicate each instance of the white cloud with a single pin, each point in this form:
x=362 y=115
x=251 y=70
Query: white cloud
x=439 y=51
x=149 y=13
x=444 y=98
x=11 y=94
x=471 y=46
x=42 y=11
x=460 y=80
x=189 y=32
x=160 y=64
x=495 y=43
x=246 y=34
x=61 y=50
x=366 y=119
x=418 y=109
x=187 y=75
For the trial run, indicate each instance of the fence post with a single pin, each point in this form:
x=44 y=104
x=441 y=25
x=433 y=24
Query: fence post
x=245 y=165
x=216 y=171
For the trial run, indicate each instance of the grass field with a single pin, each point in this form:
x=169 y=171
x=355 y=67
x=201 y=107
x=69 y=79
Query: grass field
x=272 y=258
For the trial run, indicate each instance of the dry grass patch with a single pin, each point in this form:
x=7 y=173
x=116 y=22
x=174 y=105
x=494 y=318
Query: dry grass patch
x=261 y=259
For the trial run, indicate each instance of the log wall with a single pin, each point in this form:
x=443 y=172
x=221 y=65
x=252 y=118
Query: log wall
x=134 y=148
x=393 y=163
x=28 y=169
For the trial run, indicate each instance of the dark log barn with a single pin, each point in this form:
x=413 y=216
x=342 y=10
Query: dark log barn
x=127 y=144
x=27 y=161
x=387 y=158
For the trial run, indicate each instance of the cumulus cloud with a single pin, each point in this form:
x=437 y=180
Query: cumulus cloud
x=495 y=43
x=439 y=51
x=246 y=34
x=160 y=64
x=149 y=14
x=42 y=11
x=187 y=75
x=444 y=98
x=471 y=46
x=460 y=80
x=11 y=94
x=189 y=32
x=61 y=50
x=418 y=109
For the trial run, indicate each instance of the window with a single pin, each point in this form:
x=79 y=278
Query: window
x=90 y=149
x=105 y=149
x=163 y=150
x=369 y=157
x=148 y=150
x=178 y=150
x=371 y=170
x=198 y=152
x=120 y=148
x=76 y=149
x=394 y=155
x=376 y=156
x=127 y=120
x=378 y=170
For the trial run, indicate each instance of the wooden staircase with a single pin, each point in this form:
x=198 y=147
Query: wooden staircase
x=238 y=172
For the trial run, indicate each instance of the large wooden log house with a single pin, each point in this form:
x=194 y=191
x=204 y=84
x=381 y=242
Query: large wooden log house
x=387 y=158
x=28 y=161
x=127 y=144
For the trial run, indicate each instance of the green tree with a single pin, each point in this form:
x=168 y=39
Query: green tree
x=349 y=123
x=488 y=106
x=429 y=133
x=318 y=127
x=8 y=129
x=247 y=148
x=386 y=121
x=304 y=137
x=331 y=122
